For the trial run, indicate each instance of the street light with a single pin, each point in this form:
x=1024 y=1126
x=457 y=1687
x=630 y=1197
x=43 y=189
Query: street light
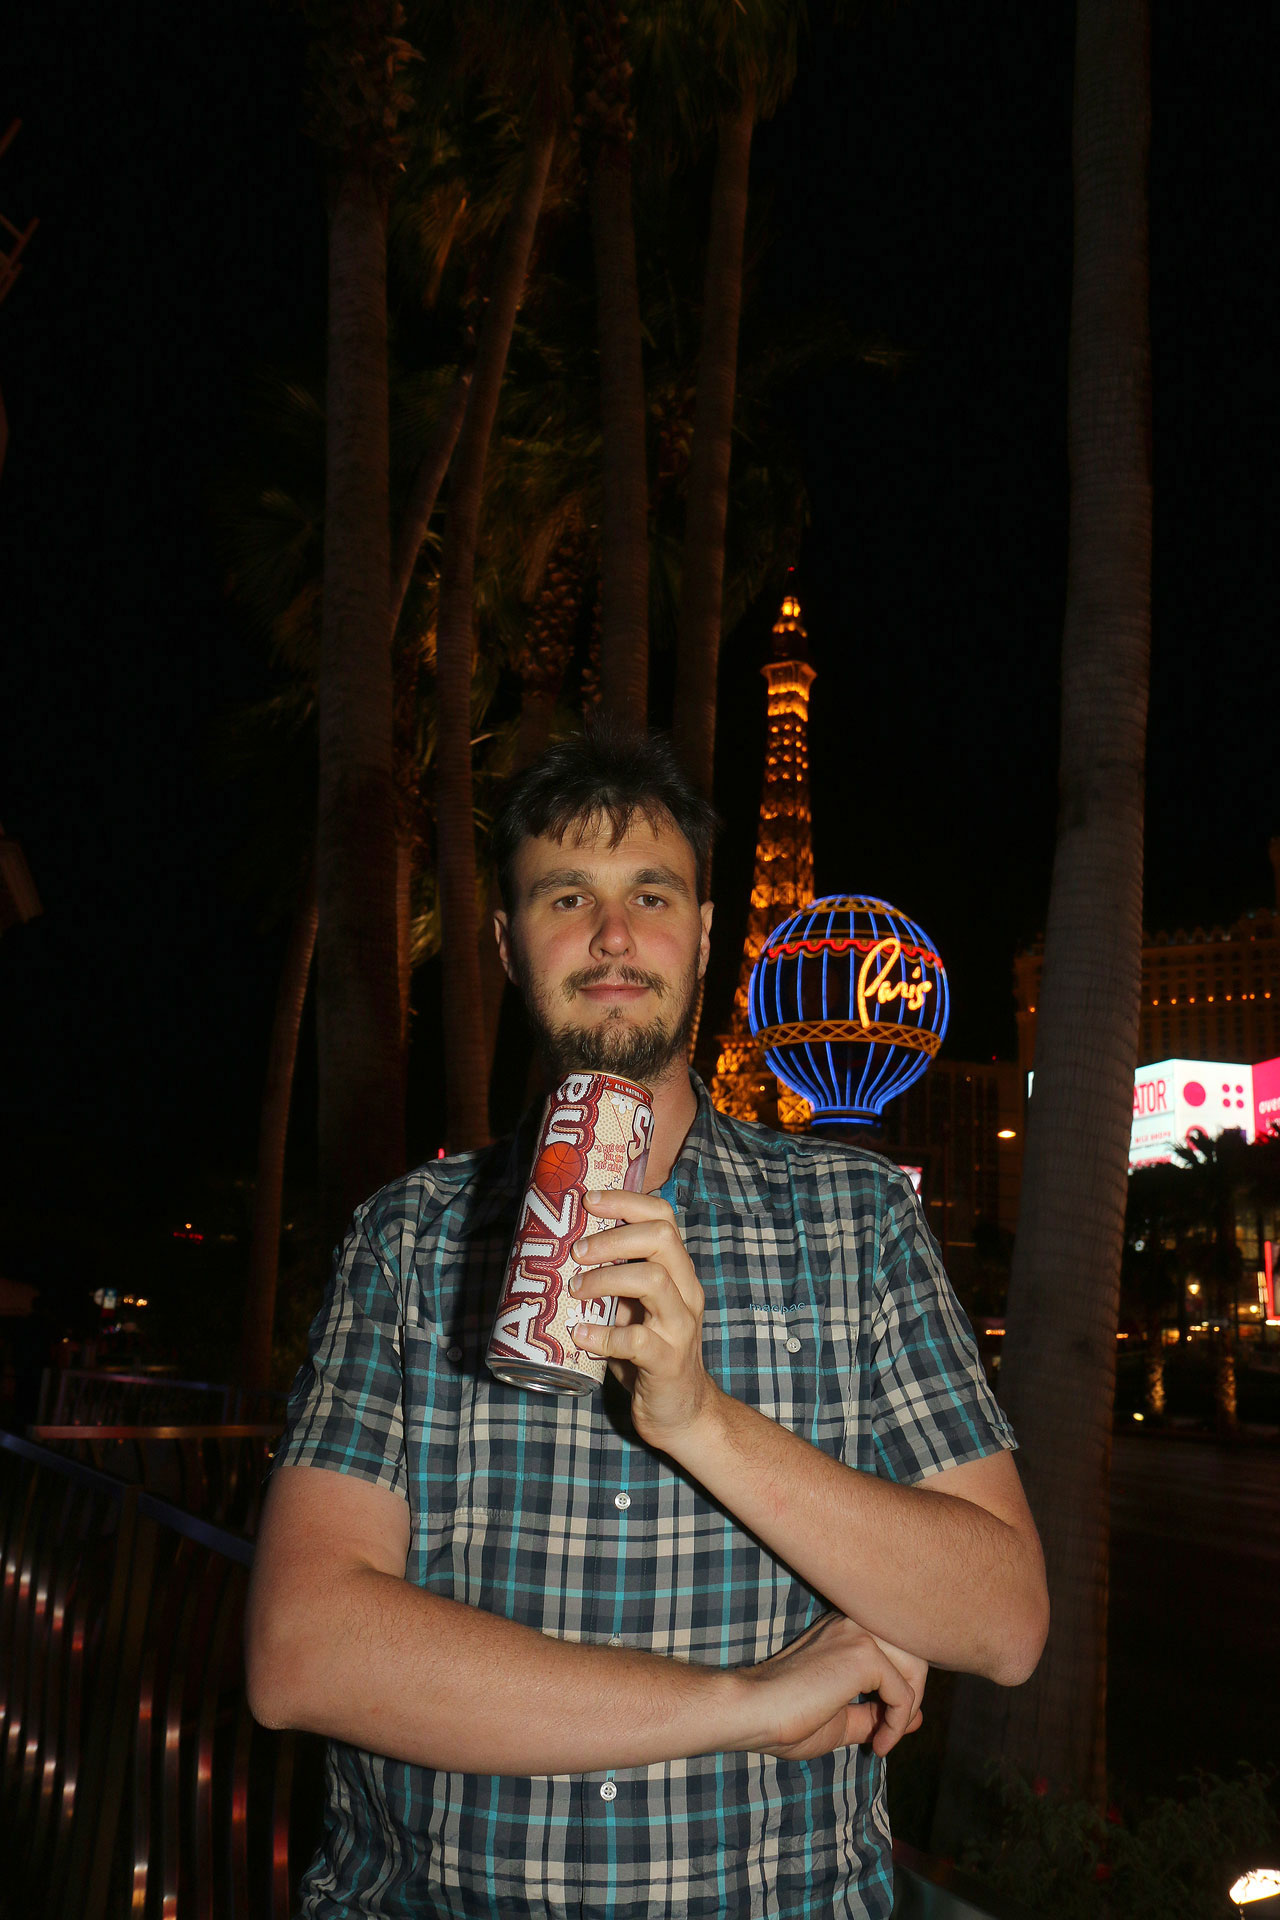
x=1259 y=1890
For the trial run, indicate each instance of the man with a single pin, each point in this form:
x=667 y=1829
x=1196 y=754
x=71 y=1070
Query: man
x=638 y=1655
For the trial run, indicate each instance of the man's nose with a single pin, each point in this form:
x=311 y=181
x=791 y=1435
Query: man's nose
x=612 y=935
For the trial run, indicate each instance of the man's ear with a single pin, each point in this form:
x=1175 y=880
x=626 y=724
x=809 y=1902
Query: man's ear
x=502 y=934
x=704 y=945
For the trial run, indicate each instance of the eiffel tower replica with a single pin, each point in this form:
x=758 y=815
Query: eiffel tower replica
x=743 y=1086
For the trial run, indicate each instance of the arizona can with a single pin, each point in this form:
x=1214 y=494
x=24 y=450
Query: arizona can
x=595 y=1136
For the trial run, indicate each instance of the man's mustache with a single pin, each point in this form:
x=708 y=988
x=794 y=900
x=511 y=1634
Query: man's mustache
x=616 y=976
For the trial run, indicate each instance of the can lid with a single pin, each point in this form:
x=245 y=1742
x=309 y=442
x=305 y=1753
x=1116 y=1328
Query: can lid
x=572 y=1087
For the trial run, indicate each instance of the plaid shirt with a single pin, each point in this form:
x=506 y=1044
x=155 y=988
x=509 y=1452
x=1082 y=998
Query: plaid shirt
x=827 y=1308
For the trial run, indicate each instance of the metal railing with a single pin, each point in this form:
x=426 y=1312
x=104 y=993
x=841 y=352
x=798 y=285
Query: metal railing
x=133 y=1780
x=215 y=1472
x=85 y=1396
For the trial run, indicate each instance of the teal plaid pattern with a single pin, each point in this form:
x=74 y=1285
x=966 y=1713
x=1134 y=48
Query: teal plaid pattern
x=828 y=1309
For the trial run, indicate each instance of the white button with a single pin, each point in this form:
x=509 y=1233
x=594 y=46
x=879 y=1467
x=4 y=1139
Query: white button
x=622 y=1501
x=455 y=1353
x=793 y=1345
x=615 y=1639
x=609 y=1790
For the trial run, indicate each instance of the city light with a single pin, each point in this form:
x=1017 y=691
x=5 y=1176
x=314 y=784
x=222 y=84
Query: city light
x=1260 y=1883
x=1006 y=1133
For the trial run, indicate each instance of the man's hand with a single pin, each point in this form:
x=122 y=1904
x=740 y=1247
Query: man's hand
x=913 y=1669
x=805 y=1696
x=655 y=1345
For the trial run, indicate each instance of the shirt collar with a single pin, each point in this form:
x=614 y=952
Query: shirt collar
x=724 y=1159
x=721 y=1159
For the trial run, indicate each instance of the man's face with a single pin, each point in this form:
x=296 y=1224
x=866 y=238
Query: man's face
x=607 y=945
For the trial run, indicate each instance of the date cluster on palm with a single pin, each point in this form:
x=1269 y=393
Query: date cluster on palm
x=604 y=117
x=553 y=618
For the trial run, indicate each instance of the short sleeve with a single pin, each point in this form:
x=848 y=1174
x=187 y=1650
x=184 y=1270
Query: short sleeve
x=931 y=1405
x=346 y=1407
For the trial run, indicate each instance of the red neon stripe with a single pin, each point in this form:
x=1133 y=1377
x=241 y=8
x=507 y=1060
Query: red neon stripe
x=790 y=948
x=1269 y=1266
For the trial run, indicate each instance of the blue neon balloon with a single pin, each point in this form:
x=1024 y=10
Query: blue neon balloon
x=850 y=1000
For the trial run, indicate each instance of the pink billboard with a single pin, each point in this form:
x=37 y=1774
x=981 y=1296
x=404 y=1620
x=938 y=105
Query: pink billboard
x=1266 y=1097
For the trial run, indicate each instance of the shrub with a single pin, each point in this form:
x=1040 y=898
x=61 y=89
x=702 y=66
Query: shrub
x=1065 y=1859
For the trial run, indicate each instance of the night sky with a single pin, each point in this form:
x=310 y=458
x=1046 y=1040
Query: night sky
x=919 y=183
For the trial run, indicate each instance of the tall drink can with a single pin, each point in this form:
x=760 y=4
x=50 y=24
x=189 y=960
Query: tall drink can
x=594 y=1137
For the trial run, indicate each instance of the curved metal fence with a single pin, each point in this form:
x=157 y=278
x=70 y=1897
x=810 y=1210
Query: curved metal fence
x=133 y=1780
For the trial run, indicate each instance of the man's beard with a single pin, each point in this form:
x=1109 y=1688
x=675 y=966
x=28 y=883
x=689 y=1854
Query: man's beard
x=617 y=1044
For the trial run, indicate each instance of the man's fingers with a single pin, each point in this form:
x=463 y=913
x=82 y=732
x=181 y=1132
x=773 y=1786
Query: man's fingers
x=618 y=1204
x=656 y=1241
x=635 y=1341
x=898 y=1707
x=860 y=1723
x=619 y=1243
x=637 y=1280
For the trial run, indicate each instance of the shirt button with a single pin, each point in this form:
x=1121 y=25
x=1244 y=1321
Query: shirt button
x=793 y=1345
x=455 y=1353
x=609 y=1790
x=622 y=1501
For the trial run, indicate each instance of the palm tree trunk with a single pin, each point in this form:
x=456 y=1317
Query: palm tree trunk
x=404 y=933
x=427 y=482
x=624 y=520
x=493 y=979
x=466 y=1063
x=1225 y=1407
x=1058 y=1369
x=1153 y=1395
x=357 y=998
x=264 y=1245
x=702 y=582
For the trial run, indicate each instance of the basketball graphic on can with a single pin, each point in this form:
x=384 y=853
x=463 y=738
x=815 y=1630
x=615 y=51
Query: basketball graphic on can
x=594 y=1137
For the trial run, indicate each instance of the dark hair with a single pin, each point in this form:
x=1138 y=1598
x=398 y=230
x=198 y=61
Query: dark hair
x=607 y=773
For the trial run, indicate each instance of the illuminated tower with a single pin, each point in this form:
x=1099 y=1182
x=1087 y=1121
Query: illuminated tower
x=783 y=882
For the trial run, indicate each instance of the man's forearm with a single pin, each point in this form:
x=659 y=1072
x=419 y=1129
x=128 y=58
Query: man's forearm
x=935 y=1574
x=399 y=1671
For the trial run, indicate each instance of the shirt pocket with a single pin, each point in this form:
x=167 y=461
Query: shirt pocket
x=787 y=1361
x=783 y=1326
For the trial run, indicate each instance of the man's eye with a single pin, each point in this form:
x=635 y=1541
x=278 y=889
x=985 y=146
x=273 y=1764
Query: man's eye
x=569 y=899
x=652 y=900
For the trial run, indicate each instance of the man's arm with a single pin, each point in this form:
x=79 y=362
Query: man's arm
x=949 y=1569
x=339 y=1643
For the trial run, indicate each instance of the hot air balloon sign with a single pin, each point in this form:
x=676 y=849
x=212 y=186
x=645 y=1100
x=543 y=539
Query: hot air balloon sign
x=849 y=999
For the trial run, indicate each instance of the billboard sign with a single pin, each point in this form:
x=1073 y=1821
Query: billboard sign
x=1174 y=1098
x=1266 y=1097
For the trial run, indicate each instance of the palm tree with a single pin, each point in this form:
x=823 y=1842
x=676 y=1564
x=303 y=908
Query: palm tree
x=607 y=128
x=466 y=1061
x=264 y=1245
x=269 y=520
x=754 y=53
x=1058 y=1369
x=358 y=58
x=1217 y=1171
x=1153 y=1270
x=708 y=492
